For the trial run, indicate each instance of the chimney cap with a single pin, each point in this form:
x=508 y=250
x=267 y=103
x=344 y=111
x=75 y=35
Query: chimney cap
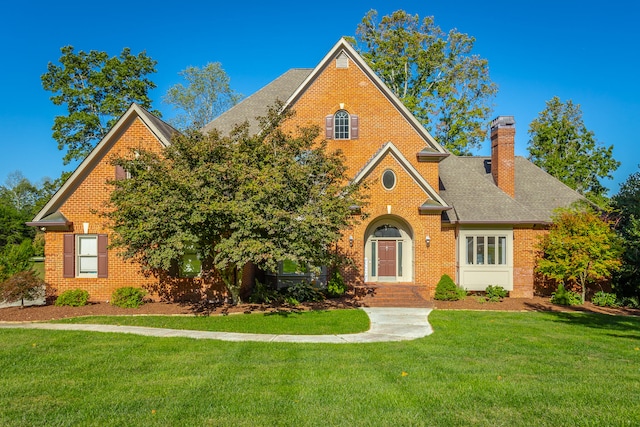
x=503 y=121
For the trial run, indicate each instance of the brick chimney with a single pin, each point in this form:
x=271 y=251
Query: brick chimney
x=503 y=132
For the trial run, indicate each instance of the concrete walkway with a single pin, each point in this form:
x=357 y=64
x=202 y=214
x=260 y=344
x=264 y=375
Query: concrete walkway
x=387 y=324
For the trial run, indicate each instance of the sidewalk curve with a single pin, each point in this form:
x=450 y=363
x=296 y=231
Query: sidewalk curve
x=387 y=324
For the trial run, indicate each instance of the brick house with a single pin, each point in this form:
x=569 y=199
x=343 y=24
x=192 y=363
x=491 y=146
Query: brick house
x=429 y=213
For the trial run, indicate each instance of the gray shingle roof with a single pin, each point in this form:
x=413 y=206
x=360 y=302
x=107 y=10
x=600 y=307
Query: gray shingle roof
x=166 y=130
x=466 y=184
x=257 y=104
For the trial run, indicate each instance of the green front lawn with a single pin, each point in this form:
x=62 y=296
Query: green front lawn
x=478 y=368
x=294 y=323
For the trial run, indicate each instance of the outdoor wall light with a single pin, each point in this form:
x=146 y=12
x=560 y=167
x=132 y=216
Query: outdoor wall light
x=427 y=240
x=351 y=241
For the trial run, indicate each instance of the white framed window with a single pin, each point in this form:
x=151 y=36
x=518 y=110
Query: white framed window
x=486 y=250
x=87 y=255
x=341 y=125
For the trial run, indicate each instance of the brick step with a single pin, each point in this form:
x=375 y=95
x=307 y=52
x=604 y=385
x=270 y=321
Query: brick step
x=392 y=296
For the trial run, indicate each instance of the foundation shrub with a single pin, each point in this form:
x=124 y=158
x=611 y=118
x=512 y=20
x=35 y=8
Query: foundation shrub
x=73 y=298
x=336 y=286
x=604 y=299
x=264 y=294
x=447 y=290
x=128 y=297
x=304 y=292
x=564 y=297
x=495 y=293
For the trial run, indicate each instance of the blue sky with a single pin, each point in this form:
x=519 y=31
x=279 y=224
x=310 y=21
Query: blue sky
x=585 y=51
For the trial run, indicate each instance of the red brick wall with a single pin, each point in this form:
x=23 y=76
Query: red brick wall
x=502 y=158
x=524 y=256
x=85 y=205
x=379 y=123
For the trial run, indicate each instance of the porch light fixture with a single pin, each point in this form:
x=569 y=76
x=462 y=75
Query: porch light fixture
x=351 y=241
x=427 y=240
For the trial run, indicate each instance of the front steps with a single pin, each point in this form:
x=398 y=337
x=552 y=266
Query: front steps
x=392 y=295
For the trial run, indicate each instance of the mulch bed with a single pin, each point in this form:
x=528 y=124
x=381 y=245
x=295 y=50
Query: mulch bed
x=52 y=312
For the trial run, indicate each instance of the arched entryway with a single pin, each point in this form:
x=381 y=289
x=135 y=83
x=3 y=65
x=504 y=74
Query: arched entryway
x=388 y=255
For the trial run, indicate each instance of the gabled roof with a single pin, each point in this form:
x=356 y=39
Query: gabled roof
x=466 y=184
x=160 y=129
x=344 y=46
x=257 y=104
x=434 y=203
x=292 y=84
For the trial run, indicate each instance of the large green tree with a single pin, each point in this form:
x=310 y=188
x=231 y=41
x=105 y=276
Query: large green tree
x=205 y=96
x=627 y=205
x=627 y=201
x=580 y=248
x=20 y=200
x=240 y=198
x=434 y=73
x=97 y=90
x=562 y=145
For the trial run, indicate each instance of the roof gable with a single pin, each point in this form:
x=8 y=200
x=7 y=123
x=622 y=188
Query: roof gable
x=339 y=50
x=390 y=149
x=161 y=130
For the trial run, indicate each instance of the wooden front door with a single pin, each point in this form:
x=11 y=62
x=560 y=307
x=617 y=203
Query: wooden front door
x=387 y=258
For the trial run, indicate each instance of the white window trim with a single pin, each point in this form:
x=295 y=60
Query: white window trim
x=78 y=255
x=395 y=179
x=476 y=277
x=408 y=253
x=335 y=125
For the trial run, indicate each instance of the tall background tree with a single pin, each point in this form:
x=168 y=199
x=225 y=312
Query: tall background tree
x=562 y=145
x=205 y=96
x=434 y=73
x=20 y=200
x=627 y=204
x=262 y=199
x=97 y=90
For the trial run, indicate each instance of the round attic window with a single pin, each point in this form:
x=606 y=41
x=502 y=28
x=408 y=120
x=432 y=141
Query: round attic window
x=388 y=179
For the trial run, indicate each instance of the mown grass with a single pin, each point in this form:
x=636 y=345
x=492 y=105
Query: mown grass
x=478 y=368
x=318 y=322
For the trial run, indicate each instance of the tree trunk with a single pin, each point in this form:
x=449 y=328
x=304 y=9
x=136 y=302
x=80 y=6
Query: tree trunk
x=232 y=278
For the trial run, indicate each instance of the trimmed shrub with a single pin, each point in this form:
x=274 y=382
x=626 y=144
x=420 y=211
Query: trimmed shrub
x=336 y=286
x=447 y=290
x=604 y=299
x=495 y=293
x=73 y=298
x=565 y=297
x=128 y=297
